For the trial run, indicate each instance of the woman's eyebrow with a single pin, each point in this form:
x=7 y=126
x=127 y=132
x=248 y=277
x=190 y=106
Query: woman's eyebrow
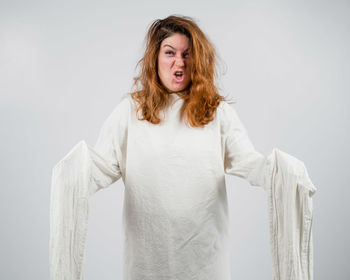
x=173 y=47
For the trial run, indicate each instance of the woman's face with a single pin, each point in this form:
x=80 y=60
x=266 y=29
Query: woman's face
x=174 y=62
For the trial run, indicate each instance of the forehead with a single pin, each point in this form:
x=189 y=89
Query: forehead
x=177 y=41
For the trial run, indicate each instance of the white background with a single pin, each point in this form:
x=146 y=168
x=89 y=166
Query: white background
x=65 y=64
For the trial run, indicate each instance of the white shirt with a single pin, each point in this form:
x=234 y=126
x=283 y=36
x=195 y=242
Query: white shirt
x=175 y=214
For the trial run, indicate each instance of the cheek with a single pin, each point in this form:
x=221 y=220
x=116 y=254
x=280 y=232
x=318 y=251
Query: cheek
x=164 y=70
x=161 y=67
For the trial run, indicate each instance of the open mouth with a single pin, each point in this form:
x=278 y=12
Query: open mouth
x=179 y=76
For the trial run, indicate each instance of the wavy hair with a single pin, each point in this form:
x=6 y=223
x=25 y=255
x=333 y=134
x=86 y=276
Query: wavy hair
x=201 y=97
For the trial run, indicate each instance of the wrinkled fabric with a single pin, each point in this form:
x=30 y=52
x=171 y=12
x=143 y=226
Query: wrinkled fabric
x=290 y=211
x=175 y=214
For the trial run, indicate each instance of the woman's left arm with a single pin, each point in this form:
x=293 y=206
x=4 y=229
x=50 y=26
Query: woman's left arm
x=240 y=156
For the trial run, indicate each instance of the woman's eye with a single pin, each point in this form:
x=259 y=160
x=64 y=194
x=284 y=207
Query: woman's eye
x=171 y=52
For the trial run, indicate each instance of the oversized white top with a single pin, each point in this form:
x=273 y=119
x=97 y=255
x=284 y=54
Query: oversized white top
x=175 y=214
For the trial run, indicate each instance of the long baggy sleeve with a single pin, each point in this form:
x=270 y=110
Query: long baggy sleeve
x=240 y=156
x=289 y=195
x=81 y=173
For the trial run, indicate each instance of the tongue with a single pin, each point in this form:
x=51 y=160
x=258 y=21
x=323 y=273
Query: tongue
x=179 y=78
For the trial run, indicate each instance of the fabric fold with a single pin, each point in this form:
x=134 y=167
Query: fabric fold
x=290 y=211
x=75 y=178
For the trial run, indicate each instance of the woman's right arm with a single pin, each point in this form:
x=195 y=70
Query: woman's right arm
x=77 y=176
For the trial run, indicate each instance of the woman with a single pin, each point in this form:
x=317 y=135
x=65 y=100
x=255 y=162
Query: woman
x=171 y=141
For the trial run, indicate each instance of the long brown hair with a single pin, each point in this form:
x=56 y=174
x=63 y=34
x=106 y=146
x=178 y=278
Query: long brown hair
x=201 y=97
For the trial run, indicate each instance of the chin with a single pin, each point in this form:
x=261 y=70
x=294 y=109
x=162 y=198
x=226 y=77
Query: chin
x=175 y=89
x=182 y=88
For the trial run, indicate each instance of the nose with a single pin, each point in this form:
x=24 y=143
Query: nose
x=179 y=61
